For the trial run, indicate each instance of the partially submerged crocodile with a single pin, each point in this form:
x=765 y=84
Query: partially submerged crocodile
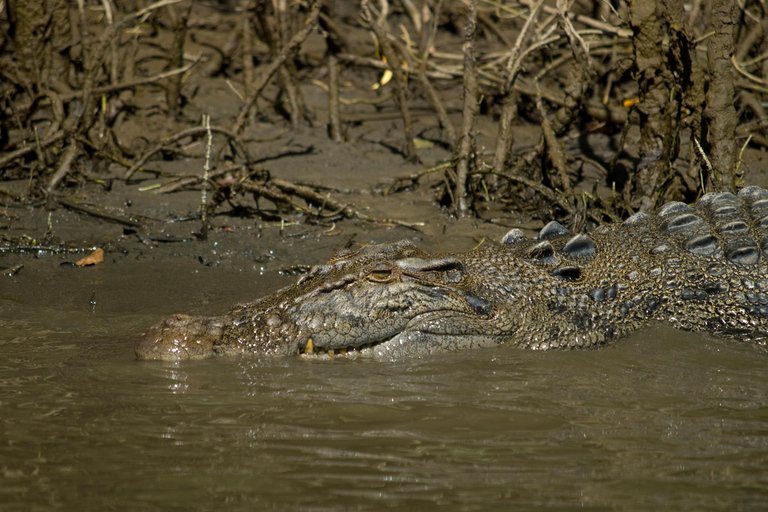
x=698 y=268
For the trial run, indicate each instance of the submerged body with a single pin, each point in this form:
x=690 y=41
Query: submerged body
x=698 y=268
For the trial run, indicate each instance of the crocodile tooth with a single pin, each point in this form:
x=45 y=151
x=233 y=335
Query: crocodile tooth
x=553 y=230
x=331 y=353
x=309 y=348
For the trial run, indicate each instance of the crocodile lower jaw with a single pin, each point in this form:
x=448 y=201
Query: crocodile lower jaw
x=320 y=354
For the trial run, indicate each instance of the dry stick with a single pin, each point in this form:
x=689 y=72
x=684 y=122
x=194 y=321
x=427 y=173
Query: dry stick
x=288 y=71
x=191 y=180
x=358 y=60
x=506 y=138
x=131 y=84
x=334 y=104
x=413 y=14
x=10 y=157
x=274 y=37
x=466 y=141
x=263 y=79
x=579 y=77
x=427 y=37
x=596 y=110
x=176 y=59
x=538 y=187
x=206 y=172
x=114 y=44
x=249 y=71
x=486 y=20
x=335 y=44
x=720 y=113
x=555 y=151
x=348 y=211
x=185 y=133
x=120 y=219
x=380 y=29
x=270 y=193
x=97 y=57
x=655 y=85
x=414 y=177
x=64 y=166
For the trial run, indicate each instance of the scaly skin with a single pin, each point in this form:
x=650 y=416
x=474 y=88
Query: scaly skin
x=698 y=268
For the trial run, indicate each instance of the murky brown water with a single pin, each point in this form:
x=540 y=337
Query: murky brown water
x=664 y=420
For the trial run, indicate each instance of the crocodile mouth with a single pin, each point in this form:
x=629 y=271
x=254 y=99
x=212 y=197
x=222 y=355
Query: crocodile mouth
x=310 y=351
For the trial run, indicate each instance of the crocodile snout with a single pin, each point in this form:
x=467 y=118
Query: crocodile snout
x=180 y=337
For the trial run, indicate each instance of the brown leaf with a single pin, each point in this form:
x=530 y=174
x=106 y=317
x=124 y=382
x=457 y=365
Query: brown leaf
x=95 y=257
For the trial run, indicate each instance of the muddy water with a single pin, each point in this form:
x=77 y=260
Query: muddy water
x=663 y=420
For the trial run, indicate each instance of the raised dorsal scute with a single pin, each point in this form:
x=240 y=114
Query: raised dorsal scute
x=571 y=272
x=580 y=246
x=636 y=219
x=744 y=255
x=513 y=236
x=553 y=230
x=684 y=223
x=754 y=193
x=672 y=209
x=724 y=198
x=702 y=245
x=541 y=251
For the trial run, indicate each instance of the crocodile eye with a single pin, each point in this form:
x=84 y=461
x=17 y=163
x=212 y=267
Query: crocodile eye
x=381 y=274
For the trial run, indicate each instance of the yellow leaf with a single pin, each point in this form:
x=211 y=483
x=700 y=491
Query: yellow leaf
x=95 y=257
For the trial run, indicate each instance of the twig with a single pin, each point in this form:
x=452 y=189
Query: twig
x=288 y=50
x=346 y=210
x=176 y=58
x=14 y=155
x=466 y=140
x=120 y=219
x=64 y=166
x=555 y=151
x=434 y=99
x=379 y=27
x=185 y=133
x=505 y=138
x=206 y=170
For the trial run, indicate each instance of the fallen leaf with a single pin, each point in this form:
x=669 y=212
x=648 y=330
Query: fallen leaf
x=95 y=257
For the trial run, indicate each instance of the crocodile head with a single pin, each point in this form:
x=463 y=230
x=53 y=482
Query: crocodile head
x=384 y=300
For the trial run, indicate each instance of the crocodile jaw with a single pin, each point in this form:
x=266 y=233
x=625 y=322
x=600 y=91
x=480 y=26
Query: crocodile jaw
x=180 y=337
x=423 y=334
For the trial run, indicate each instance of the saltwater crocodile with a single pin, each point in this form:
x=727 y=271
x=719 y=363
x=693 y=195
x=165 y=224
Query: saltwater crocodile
x=699 y=268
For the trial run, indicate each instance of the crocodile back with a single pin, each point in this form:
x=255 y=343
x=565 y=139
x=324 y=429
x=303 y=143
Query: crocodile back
x=700 y=267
